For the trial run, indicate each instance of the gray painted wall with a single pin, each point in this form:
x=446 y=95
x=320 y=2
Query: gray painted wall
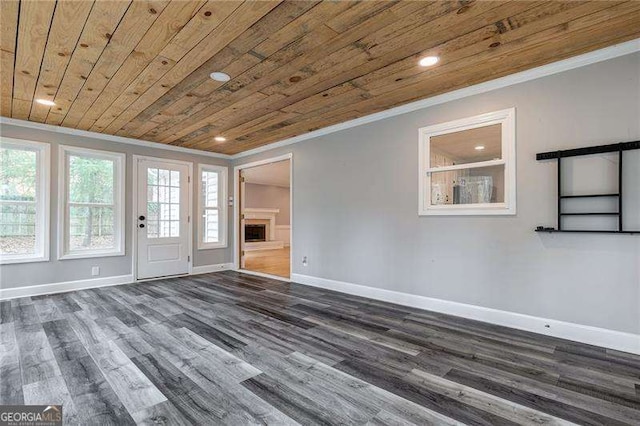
x=26 y=274
x=271 y=197
x=355 y=202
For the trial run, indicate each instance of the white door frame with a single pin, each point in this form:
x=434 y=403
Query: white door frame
x=236 y=213
x=134 y=213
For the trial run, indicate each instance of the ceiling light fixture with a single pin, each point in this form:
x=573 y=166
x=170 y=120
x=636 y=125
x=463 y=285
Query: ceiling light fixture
x=428 y=61
x=220 y=139
x=479 y=147
x=220 y=76
x=45 y=102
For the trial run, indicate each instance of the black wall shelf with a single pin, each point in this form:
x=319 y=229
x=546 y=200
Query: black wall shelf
x=600 y=149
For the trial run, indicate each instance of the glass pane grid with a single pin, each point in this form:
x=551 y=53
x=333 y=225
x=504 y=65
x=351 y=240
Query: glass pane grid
x=163 y=203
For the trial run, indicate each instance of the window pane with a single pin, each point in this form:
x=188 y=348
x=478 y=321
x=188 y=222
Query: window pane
x=91 y=180
x=211 y=234
x=18 y=183
x=91 y=228
x=17 y=228
x=467 y=146
x=17 y=174
x=210 y=189
x=480 y=185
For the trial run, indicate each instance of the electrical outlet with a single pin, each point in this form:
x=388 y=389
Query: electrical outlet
x=95 y=271
x=305 y=262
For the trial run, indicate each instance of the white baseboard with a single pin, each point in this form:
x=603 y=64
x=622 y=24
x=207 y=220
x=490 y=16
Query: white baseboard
x=62 y=287
x=37 y=290
x=612 y=339
x=206 y=269
x=262 y=274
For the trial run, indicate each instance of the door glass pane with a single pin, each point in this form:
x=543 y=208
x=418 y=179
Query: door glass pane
x=480 y=185
x=163 y=203
x=466 y=146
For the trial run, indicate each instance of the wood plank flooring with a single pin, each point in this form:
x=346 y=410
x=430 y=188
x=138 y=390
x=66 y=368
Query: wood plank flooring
x=272 y=262
x=229 y=348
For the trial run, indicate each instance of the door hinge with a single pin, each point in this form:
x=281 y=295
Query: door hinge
x=242 y=179
x=188 y=258
x=188 y=179
x=242 y=253
x=242 y=216
x=188 y=219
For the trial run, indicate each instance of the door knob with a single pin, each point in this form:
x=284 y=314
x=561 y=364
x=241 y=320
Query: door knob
x=141 y=217
x=141 y=225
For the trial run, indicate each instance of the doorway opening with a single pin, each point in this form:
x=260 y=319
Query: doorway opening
x=263 y=217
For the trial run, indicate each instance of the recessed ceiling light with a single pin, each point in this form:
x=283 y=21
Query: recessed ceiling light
x=45 y=102
x=479 y=147
x=220 y=76
x=428 y=61
x=220 y=139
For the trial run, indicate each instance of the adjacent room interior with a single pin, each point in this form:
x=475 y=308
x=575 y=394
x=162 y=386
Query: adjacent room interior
x=319 y=212
x=265 y=218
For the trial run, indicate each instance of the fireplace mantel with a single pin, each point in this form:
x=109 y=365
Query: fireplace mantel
x=263 y=214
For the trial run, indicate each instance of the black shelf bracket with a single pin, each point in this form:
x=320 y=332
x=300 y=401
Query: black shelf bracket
x=599 y=149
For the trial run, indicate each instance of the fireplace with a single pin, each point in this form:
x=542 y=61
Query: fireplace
x=255 y=233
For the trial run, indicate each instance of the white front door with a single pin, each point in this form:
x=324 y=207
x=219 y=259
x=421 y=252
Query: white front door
x=162 y=219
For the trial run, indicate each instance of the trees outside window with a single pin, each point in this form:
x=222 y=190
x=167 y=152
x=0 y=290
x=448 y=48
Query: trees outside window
x=93 y=216
x=24 y=205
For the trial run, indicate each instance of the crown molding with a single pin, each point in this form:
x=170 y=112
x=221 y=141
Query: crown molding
x=579 y=61
x=107 y=137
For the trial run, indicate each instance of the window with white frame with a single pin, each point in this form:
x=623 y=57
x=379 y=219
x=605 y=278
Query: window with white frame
x=212 y=206
x=467 y=167
x=91 y=203
x=24 y=201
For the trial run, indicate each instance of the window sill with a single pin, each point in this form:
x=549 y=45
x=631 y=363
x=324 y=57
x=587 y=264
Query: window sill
x=9 y=261
x=212 y=246
x=498 y=209
x=70 y=256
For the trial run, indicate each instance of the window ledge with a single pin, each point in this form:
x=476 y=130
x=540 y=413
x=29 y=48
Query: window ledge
x=69 y=256
x=212 y=246
x=9 y=261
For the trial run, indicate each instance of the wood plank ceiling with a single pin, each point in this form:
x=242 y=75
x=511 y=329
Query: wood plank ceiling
x=141 y=68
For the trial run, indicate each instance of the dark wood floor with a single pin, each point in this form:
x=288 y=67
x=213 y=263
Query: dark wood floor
x=228 y=348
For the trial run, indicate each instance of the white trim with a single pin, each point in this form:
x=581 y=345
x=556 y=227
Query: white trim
x=223 y=206
x=134 y=210
x=613 y=339
x=108 y=137
x=579 y=61
x=207 y=269
x=507 y=120
x=236 y=210
x=43 y=200
x=120 y=175
x=63 y=287
x=262 y=274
